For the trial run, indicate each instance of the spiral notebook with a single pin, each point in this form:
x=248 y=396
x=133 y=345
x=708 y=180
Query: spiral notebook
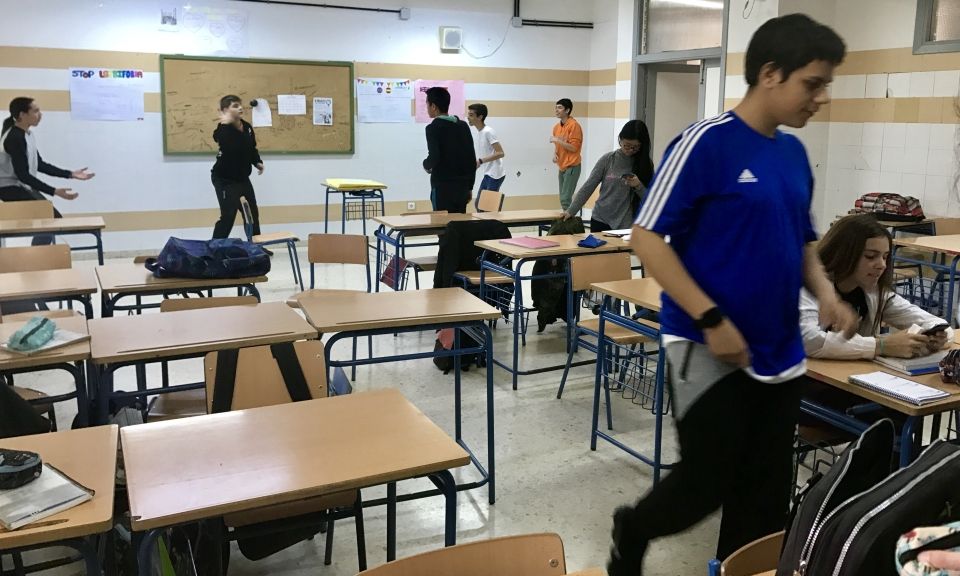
x=899 y=388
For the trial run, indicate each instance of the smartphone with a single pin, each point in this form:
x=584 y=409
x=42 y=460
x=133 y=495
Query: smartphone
x=936 y=329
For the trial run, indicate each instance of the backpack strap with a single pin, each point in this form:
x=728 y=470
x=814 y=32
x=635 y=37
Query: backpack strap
x=291 y=371
x=225 y=380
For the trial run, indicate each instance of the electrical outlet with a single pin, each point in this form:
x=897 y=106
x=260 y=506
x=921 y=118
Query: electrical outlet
x=411 y=205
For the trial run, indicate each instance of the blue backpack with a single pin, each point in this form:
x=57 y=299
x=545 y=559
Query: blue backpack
x=218 y=258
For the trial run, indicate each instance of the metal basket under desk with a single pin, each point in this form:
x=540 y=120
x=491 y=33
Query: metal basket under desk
x=361 y=206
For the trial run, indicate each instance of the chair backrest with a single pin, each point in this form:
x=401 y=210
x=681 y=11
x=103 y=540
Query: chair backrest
x=586 y=270
x=177 y=304
x=754 y=558
x=945 y=226
x=247 y=215
x=337 y=249
x=26 y=209
x=31 y=258
x=259 y=381
x=524 y=555
x=489 y=201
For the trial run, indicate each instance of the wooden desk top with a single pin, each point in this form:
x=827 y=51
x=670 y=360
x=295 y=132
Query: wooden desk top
x=837 y=373
x=348 y=311
x=89 y=456
x=521 y=216
x=567 y=246
x=130 y=277
x=148 y=336
x=71 y=353
x=67 y=224
x=46 y=283
x=949 y=243
x=420 y=221
x=302 y=449
x=644 y=292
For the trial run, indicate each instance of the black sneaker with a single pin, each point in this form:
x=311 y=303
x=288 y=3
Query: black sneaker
x=626 y=554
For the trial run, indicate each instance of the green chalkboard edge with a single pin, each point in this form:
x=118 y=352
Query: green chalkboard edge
x=334 y=63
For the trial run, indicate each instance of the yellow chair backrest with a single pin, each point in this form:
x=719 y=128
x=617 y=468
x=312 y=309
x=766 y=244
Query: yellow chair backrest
x=337 y=249
x=754 y=558
x=587 y=270
x=26 y=210
x=489 y=201
x=32 y=258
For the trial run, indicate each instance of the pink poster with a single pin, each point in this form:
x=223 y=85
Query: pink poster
x=458 y=106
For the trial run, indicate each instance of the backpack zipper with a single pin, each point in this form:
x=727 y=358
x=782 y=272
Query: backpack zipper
x=886 y=504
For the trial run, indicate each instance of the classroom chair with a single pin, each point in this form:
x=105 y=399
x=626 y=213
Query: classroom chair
x=288 y=238
x=523 y=555
x=26 y=210
x=489 y=201
x=192 y=399
x=259 y=382
x=930 y=291
x=584 y=271
x=422 y=263
x=754 y=558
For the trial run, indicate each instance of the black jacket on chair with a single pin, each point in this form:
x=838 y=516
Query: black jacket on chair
x=457 y=251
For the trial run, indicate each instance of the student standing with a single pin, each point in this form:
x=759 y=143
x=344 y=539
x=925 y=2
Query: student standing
x=567 y=140
x=21 y=161
x=450 y=160
x=236 y=158
x=623 y=176
x=489 y=151
x=733 y=194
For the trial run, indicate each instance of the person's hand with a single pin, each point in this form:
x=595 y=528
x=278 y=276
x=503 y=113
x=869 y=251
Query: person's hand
x=554 y=139
x=556 y=158
x=940 y=559
x=82 y=174
x=565 y=216
x=65 y=193
x=904 y=345
x=226 y=117
x=259 y=167
x=937 y=341
x=838 y=316
x=479 y=162
x=727 y=344
x=633 y=181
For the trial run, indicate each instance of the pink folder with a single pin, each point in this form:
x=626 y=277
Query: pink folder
x=530 y=242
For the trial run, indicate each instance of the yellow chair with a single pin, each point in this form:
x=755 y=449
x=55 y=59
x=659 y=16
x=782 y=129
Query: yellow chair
x=489 y=201
x=26 y=210
x=288 y=238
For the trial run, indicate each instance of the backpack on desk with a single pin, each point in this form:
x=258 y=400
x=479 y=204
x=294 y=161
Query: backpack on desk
x=218 y=258
x=890 y=207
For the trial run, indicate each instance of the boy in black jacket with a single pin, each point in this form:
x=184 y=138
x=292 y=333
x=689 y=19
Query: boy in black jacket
x=231 y=173
x=450 y=160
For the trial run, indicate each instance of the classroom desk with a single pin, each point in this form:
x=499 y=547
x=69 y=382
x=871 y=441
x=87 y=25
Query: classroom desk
x=66 y=226
x=521 y=217
x=304 y=449
x=135 y=340
x=69 y=358
x=646 y=293
x=944 y=246
x=837 y=373
x=352 y=191
x=565 y=249
x=119 y=281
x=356 y=314
x=50 y=285
x=89 y=456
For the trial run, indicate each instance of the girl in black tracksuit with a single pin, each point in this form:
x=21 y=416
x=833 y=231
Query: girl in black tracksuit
x=235 y=161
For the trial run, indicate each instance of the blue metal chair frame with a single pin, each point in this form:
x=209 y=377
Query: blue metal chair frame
x=290 y=243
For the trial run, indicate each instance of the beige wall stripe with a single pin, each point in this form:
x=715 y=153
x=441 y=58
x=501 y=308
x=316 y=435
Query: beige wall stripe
x=885 y=61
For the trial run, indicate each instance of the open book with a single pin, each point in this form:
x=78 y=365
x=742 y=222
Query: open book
x=914 y=366
x=51 y=493
x=899 y=388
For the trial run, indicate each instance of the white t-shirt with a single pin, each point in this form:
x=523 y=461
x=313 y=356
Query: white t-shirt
x=483 y=142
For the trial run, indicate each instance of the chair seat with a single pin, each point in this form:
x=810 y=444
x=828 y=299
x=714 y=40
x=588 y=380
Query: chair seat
x=294 y=301
x=274 y=237
x=291 y=509
x=34 y=397
x=425 y=263
x=473 y=277
x=614 y=332
x=181 y=404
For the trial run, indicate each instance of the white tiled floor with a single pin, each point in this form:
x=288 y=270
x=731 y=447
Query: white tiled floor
x=547 y=477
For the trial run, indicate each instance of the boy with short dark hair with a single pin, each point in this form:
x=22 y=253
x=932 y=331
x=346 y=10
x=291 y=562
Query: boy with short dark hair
x=567 y=140
x=489 y=150
x=236 y=157
x=450 y=160
x=733 y=194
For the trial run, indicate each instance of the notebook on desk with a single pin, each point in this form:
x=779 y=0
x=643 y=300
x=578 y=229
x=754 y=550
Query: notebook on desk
x=899 y=388
x=51 y=493
x=530 y=242
x=914 y=366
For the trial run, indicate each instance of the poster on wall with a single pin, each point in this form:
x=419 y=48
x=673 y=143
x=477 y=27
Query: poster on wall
x=384 y=99
x=203 y=30
x=458 y=106
x=323 y=111
x=106 y=94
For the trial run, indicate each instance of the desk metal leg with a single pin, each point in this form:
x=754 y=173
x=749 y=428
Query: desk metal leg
x=445 y=482
x=491 y=445
x=907 y=439
x=326 y=212
x=391 y=521
x=601 y=359
x=99 y=238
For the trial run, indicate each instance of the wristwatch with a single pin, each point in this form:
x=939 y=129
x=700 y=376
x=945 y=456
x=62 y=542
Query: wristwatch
x=710 y=319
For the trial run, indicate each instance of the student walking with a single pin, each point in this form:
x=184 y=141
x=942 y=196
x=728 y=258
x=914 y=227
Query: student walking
x=567 y=140
x=236 y=158
x=489 y=150
x=450 y=160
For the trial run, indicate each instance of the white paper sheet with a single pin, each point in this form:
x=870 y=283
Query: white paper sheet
x=106 y=94
x=291 y=104
x=261 y=114
x=384 y=100
x=323 y=111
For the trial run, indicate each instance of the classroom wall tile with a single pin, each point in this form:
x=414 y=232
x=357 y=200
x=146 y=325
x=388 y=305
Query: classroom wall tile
x=921 y=84
x=936 y=191
x=852 y=86
x=872 y=134
x=867 y=181
x=898 y=85
x=894 y=134
x=946 y=83
x=845 y=133
x=870 y=158
x=876 y=86
x=913 y=185
x=941 y=162
x=915 y=160
x=892 y=159
x=943 y=135
x=917 y=136
x=842 y=156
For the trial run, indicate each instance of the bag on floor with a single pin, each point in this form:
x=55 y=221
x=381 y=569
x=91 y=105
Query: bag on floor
x=855 y=533
x=19 y=417
x=888 y=206
x=218 y=258
x=445 y=341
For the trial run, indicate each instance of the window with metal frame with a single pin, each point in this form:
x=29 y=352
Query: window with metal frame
x=938 y=26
